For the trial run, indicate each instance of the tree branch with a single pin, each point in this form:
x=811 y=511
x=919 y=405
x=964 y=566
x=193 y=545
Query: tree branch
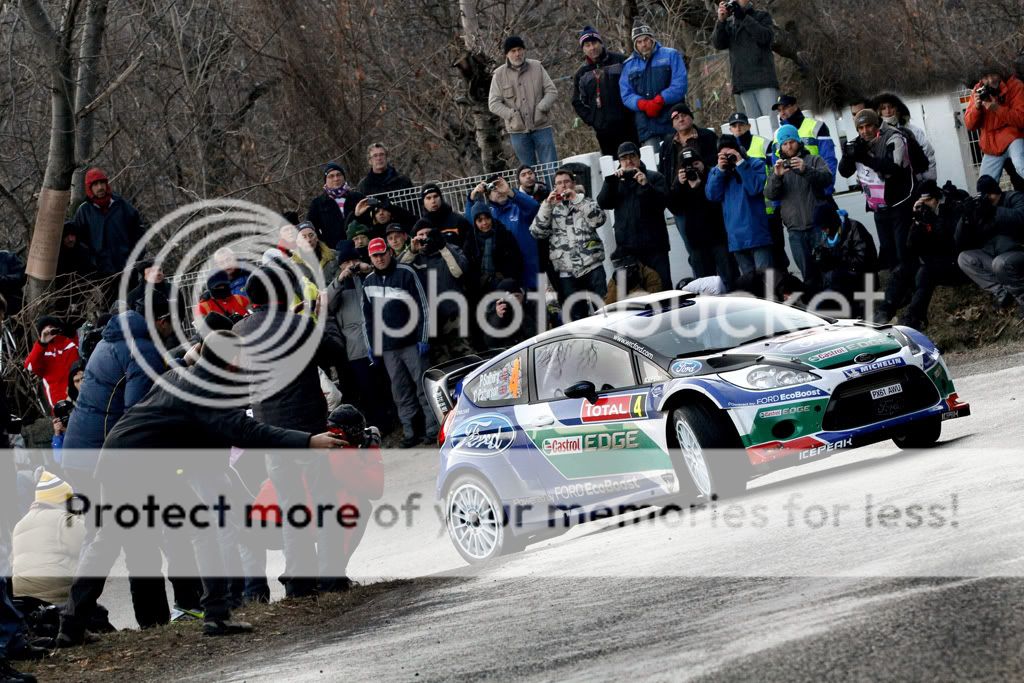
x=109 y=90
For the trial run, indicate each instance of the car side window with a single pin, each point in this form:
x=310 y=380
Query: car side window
x=561 y=364
x=500 y=385
x=651 y=373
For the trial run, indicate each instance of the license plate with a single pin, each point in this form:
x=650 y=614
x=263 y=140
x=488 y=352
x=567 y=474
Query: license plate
x=882 y=392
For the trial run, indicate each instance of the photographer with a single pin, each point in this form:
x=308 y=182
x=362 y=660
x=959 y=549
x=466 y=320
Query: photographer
x=505 y=332
x=516 y=211
x=51 y=357
x=747 y=34
x=737 y=182
x=797 y=182
x=377 y=213
x=637 y=196
x=995 y=222
x=845 y=252
x=704 y=228
x=996 y=110
x=570 y=220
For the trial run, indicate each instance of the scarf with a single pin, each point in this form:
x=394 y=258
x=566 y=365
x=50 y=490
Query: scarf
x=487 y=255
x=338 y=194
x=103 y=204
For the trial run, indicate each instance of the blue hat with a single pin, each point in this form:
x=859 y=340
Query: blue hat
x=479 y=209
x=346 y=251
x=785 y=133
x=333 y=166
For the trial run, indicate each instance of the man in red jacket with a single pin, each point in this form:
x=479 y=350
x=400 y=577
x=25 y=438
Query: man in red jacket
x=51 y=358
x=997 y=110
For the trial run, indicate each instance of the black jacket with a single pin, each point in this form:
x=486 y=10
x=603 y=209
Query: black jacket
x=639 y=211
x=506 y=257
x=749 y=42
x=596 y=97
x=454 y=226
x=398 y=215
x=388 y=181
x=328 y=220
x=935 y=237
x=1002 y=232
x=294 y=399
x=108 y=237
x=705 y=226
x=527 y=326
x=854 y=252
x=706 y=146
x=399 y=294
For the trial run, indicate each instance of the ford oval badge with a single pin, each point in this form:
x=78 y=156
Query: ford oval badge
x=488 y=434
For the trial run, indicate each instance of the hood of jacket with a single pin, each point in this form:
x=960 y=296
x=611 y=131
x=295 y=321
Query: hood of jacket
x=124 y=324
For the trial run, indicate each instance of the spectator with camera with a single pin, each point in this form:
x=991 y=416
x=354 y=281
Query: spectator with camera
x=332 y=210
x=522 y=95
x=506 y=327
x=737 y=182
x=762 y=148
x=382 y=176
x=747 y=34
x=797 y=182
x=498 y=255
x=991 y=234
x=443 y=263
x=570 y=219
x=516 y=211
x=996 y=111
x=393 y=300
x=813 y=133
x=703 y=226
x=896 y=113
x=653 y=79
x=51 y=356
x=880 y=159
x=844 y=254
x=377 y=213
x=596 y=95
x=453 y=225
x=637 y=196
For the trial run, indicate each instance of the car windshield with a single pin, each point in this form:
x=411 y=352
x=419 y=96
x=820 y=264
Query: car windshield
x=714 y=324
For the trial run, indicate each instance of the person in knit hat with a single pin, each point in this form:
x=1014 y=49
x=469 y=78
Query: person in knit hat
x=522 y=95
x=454 y=226
x=108 y=226
x=51 y=357
x=333 y=209
x=653 y=79
x=596 y=96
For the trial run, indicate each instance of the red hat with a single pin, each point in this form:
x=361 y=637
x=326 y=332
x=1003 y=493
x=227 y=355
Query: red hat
x=377 y=246
x=93 y=175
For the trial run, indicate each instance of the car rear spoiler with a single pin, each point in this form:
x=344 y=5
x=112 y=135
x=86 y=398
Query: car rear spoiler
x=439 y=382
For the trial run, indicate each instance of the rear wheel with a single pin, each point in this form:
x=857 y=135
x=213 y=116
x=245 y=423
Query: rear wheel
x=709 y=457
x=921 y=434
x=476 y=521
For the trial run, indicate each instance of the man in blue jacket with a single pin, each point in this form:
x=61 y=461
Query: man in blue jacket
x=738 y=182
x=653 y=79
x=516 y=211
x=396 y=312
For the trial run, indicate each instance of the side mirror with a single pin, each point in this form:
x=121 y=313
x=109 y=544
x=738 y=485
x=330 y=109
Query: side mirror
x=585 y=390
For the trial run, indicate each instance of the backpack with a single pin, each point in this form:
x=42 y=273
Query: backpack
x=918 y=159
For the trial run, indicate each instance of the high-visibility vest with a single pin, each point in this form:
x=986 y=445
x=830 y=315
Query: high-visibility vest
x=808 y=133
x=759 y=150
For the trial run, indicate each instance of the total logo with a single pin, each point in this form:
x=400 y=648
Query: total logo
x=615 y=408
x=779 y=412
x=489 y=434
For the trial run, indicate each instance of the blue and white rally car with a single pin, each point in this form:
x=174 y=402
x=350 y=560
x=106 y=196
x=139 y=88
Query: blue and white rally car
x=665 y=397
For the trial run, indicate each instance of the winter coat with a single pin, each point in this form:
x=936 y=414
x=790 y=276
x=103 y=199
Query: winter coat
x=325 y=260
x=299 y=403
x=345 y=325
x=706 y=145
x=398 y=293
x=398 y=215
x=1004 y=232
x=1004 y=125
x=507 y=338
x=506 y=258
x=46 y=542
x=936 y=238
x=237 y=280
x=109 y=237
x=234 y=306
x=571 y=228
x=883 y=169
x=663 y=73
x=454 y=226
x=596 y=96
x=639 y=211
x=138 y=293
x=51 y=363
x=328 y=219
x=705 y=227
x=115 y=380
x=522 y=97
x=379 y=183
x=798 y=192
x=741 y=193
x=449 y=267
x=517 y=215
x=853 y=252
x=749 y=42
x=649 y=283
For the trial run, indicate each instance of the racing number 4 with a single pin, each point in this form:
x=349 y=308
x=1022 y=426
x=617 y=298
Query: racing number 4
x=638 y=406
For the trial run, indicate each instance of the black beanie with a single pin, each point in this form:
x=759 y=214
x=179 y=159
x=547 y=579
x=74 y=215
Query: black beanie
x=511 y=43
x=988 y=185
x=731 y=142
x=428 y=188
x=46 y=320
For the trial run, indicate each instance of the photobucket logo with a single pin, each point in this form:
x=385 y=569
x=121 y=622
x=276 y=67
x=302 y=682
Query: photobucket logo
x=229 y=239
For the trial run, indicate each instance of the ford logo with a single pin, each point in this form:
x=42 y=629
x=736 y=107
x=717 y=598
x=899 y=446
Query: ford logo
x=864 y=357
x=488 y=434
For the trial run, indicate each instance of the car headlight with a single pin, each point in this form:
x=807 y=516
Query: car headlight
x=768 y=377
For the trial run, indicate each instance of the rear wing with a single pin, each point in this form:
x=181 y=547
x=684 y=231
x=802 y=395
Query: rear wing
x=440 y=381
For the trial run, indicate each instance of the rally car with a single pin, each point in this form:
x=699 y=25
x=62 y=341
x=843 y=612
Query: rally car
x=668 y=396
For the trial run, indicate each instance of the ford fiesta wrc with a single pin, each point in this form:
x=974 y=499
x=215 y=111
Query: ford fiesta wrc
x=670 y=396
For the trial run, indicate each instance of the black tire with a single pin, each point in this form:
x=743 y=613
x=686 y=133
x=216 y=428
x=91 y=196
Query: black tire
x=485 y=535
x=726 y=471
x=921 y=434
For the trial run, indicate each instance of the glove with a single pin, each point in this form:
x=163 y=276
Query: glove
x=423 y=348
x=655 y=106
x=644 y=105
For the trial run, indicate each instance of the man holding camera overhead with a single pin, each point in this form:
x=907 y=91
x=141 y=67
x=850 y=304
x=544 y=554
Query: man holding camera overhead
x=747 y=34
x=996 y=110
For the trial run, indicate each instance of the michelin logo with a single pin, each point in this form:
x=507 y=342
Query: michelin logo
x=873 y=367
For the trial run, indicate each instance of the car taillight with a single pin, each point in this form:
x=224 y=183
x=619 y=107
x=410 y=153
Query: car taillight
x=445 y=426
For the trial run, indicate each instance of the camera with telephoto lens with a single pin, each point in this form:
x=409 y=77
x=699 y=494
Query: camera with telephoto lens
x=687 y=159
x=924 y=215
x=986 y=93
x=731 y=7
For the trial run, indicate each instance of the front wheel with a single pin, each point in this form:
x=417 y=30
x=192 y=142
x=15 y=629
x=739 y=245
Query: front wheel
x=476 y=521
x=921 y=434
x=710 y=452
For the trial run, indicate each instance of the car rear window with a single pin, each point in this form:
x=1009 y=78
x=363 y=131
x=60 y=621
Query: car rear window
x=500 y=385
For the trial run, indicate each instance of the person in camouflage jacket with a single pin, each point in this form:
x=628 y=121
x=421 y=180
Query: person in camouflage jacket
x=569 y=220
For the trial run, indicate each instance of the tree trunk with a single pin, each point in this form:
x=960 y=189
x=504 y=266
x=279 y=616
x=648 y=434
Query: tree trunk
x=476 y=71
x=60 y=162
x=88 y=79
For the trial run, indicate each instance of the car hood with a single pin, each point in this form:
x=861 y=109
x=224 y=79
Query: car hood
x=825 y=347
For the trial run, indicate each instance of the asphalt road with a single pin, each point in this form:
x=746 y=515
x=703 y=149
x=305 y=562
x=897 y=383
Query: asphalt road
x=874 y=564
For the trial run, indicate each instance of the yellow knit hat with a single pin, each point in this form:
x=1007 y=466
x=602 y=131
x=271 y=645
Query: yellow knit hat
x=53 y=490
